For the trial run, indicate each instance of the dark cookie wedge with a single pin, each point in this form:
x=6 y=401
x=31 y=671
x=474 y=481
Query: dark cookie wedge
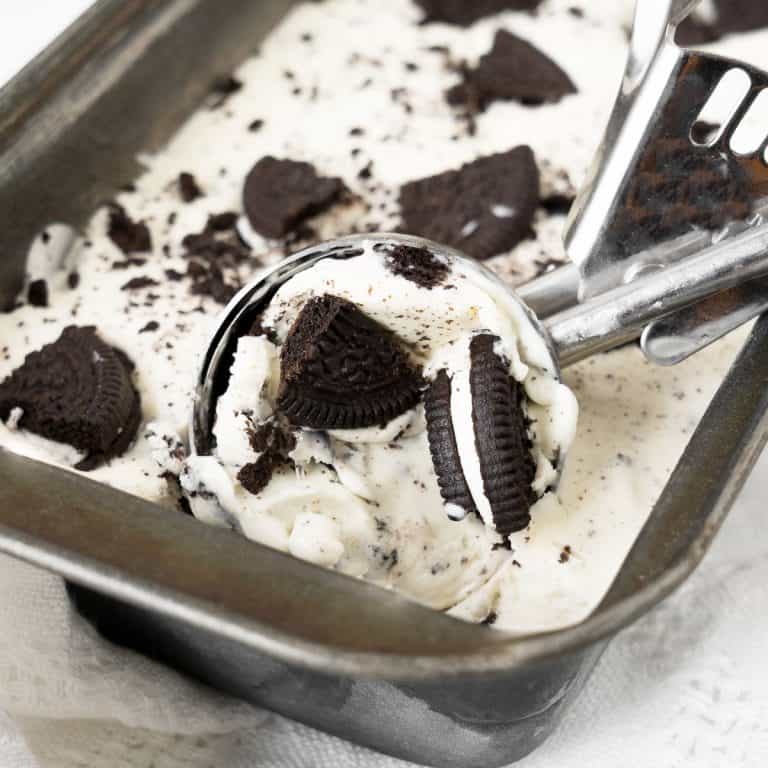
x=466 y=12
x=443 y=447
x=484 y=208
x=418 y=265
x=731 y=16
x=501 y=440
x=513 y=70
x=279 y=195
x=501 y=437
x=128 y=235
x=78 y=391
x=341 y=370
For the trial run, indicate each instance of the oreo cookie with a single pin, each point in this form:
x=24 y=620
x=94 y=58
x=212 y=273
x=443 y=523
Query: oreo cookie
x=513 y=70
x=464 y=13
x=77 y=390
x=339 y=369
x=419 y=265
x=485 y=208
x=189 y=189
x=279 y=195
x=501 y=440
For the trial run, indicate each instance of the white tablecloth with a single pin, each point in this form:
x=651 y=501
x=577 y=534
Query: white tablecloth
x=685 y=686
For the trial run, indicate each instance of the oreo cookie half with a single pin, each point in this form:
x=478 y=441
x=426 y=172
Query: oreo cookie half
x=339 y=369
x=78 y=391
x=501 y=443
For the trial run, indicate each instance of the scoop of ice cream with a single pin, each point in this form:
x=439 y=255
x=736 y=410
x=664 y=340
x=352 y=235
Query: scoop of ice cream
x=397 y=416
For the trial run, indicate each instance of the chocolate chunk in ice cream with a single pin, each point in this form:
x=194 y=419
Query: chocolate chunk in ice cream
x=37 y=293
x=339 y=369
x=730 y=16
x=189 y=189
x=513 y=70
x=76 y=390
x=128 y=235
x=419 y=265
x=466 y=12
x=274 y=440
x=501 y=441
x=279 y=195
x=484 y=208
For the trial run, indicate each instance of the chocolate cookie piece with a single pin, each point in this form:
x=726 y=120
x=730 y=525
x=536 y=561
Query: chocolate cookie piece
x=339 y=369
x=419 y=265
x=483 y=209
x=37 y=293
x=188 y=187
x=222 y=88
x=731 y=16
x=255 y=476
x=128 y=235
x=281 y=194
x=513 y=70
x=274 y=440
x=501 y=440
x=77 y=390
x=501 y=437
x=443 y=447
x=466 y=12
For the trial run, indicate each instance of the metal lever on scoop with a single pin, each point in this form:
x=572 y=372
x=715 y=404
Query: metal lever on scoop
x=676 y=337
x=616 y=316
x=661 y=191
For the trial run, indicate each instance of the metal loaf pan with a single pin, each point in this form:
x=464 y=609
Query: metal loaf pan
x=330 y=651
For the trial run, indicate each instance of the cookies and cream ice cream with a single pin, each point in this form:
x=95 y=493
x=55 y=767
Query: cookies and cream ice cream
x=332 y=442
x=356 y=117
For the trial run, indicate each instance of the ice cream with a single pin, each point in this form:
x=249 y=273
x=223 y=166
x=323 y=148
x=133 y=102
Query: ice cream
x=366 y=498
x=151 y=276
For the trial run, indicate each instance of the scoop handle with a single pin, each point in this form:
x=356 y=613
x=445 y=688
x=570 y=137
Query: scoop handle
x=619 y=315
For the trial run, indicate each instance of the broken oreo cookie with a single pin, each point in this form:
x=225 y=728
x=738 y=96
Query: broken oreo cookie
x=484 y=208
x=76 y=390
x=419 y=265
x=513 y=70
x=279 y=195
x=501 y=442
x=339 y=369
x=466 y=12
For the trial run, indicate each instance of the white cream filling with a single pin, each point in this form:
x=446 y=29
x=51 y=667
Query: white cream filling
x=462 y=410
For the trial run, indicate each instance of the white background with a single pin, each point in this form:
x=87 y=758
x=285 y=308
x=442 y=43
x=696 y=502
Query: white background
x=686 y=686
x=27 y=26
